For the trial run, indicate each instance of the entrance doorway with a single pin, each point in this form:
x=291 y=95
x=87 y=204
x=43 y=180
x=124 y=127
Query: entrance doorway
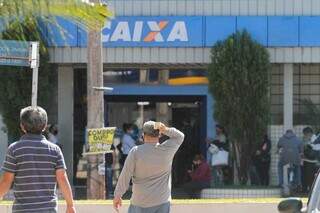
x=186 y=113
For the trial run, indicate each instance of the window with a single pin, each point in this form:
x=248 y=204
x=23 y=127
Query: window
x=276 y=94
x=306 y=91
x=121 y=76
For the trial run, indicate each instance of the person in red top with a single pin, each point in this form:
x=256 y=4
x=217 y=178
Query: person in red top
x=200 y=177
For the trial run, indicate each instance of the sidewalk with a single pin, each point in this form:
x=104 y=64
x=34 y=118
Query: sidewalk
x=178 y=206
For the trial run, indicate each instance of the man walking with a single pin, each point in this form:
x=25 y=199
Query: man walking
x=34 y=166
x=290 y=149
x=149 y=166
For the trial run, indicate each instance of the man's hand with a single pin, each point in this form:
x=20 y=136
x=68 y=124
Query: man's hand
x=70 y=209
x=117 y=203
x=6 y=182
x=162 y=128
x=65 y=188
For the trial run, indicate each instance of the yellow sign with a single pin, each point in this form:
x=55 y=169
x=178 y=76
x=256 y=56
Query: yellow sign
x=100 y=140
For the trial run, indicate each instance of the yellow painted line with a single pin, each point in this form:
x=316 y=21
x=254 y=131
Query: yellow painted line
x=180 y=201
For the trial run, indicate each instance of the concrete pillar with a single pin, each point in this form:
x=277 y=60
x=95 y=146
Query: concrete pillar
x=143 y=80
x=288 y=97
x=162 y=109
x=65 y=115
x=143 y=76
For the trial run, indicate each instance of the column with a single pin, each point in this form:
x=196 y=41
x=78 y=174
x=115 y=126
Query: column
x=162 y=109
x=288 y=97
x=65 y=115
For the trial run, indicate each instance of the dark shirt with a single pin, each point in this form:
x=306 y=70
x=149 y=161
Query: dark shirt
x=34 y=161
x=108 y=157
x=291 y=148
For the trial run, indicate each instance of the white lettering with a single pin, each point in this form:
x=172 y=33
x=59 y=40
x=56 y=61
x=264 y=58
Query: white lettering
x=122 y=32
x=178 y=32
x=137 y=31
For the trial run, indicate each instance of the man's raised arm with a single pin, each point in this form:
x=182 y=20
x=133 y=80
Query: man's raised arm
x=175 y=135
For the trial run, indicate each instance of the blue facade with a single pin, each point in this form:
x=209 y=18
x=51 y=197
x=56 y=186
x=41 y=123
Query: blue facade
x=190 y=31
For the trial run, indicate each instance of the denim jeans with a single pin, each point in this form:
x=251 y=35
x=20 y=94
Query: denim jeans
x=296 y=169
x=163 y=208
x=109 y=181
x=209 y=157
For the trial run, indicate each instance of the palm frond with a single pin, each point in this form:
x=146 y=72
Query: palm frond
x=90 y=15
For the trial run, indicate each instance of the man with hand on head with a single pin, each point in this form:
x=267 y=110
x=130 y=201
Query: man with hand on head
x=34 y=166
x=149 y=166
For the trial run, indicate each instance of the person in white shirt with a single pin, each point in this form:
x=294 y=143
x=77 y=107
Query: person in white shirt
x=127 y=142
x=53 y=134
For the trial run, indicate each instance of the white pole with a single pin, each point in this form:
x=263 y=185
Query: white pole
x=34 y=87
x=288 y=97
x=35 y=69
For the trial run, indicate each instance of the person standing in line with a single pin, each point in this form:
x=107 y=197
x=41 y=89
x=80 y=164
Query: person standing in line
x=262 y=160
x=127 y=142
x=220 y=173
x=34 y=166
x=109 y=160
x=149 y=166
x=290 y=150
x=310 y=159
x=53 y=134
x=200 y=177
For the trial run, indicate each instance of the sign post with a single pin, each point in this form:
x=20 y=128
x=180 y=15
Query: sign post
x=22 y=54
x=35 y=67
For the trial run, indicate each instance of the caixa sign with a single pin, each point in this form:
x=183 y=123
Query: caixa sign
x=153 y=31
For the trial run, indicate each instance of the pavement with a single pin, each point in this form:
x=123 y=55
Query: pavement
x=265 y=205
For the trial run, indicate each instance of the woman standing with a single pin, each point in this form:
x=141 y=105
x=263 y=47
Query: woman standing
x=127 y=142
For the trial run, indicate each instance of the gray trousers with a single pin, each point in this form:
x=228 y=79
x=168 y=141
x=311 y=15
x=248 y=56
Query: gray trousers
x=163 y=208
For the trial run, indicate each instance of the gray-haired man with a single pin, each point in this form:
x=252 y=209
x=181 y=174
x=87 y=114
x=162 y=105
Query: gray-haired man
x=34 y=166
x=149 y=166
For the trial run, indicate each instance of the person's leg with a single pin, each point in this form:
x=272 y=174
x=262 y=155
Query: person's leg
x=135 y=209
x=215 y=175
x=194 y=188
x=189 y=189
x=209 y=157
x=297 y=175
x=164 y=208
x=312 y=176
x=304 y=175
x=109 y=182
x=266 y=174
x=280 y=174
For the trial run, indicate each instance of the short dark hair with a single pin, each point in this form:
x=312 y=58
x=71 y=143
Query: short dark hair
x=126 y=127
x=198 y=157
x=33 y=119
x=307 y=130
